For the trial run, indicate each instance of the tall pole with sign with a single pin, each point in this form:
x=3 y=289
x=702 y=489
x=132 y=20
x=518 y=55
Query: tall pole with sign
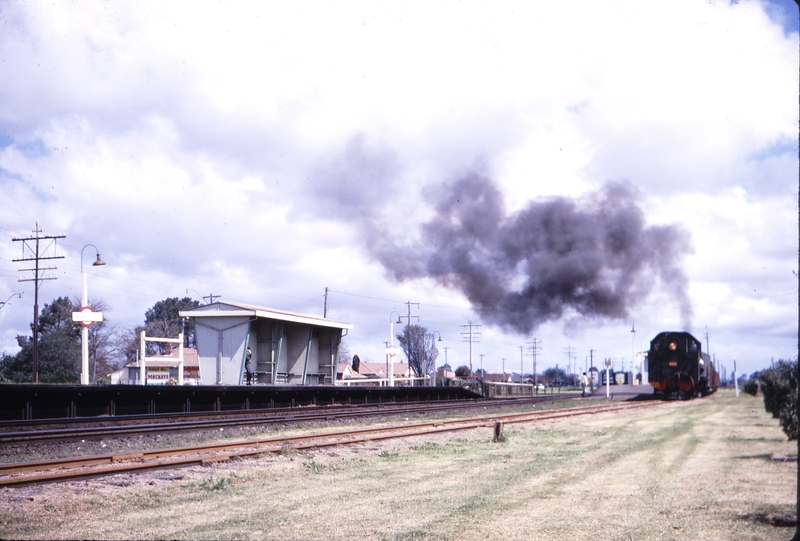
x=86 y=317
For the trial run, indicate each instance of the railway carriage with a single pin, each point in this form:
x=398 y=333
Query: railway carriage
x=678 y=368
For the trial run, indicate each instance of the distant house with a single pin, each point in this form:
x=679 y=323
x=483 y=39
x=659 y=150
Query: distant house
x=370 y=373
x=497 y=378
x=161 y=370
x=445 y=373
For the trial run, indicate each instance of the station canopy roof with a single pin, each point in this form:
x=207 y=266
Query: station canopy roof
x=235 y=309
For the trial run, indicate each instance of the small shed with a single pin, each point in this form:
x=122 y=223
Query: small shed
x=287 y=348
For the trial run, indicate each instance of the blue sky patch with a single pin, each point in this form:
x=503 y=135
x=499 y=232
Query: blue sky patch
x=784 y=12
x=775 y=149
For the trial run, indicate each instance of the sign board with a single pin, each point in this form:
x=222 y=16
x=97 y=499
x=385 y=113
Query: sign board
x=157 y=375
x=86 y=316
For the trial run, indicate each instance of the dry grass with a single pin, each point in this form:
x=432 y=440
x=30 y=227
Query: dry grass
x=688 y=471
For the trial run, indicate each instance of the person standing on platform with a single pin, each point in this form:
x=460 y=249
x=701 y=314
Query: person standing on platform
x=247 y=357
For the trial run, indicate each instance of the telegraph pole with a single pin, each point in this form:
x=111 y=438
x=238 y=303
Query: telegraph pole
x=210 y=298
x=569 y=350
x=534 y=347
x=469 y=335
x=33 y=248
x=408 y=334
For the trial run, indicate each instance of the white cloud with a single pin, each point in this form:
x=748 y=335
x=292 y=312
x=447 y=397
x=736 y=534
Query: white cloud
x=187 y=144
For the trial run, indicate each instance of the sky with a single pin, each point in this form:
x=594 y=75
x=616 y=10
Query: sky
x=556 y=174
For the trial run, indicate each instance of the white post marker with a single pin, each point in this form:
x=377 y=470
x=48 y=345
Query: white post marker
x=391 y=351
x=86 y=317
x=608 y=378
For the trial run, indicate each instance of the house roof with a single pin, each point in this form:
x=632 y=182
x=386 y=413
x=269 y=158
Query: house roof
x=236 y=309
x=379 y=369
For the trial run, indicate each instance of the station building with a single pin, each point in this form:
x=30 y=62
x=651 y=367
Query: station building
x=287 y=348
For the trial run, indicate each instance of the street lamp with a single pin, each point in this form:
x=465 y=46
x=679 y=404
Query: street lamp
x=391 y=351
x=2 y=304
x=432 y=375
x=86 y=316
x=633 y=350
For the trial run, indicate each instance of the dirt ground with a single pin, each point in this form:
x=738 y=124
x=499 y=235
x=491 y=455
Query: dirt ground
x=710 y=469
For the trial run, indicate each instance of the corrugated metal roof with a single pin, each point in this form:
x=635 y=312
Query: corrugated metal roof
x=235 y=309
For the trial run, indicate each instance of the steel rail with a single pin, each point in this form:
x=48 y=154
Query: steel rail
x=105 y=420
x=258 y=417
x=117 y=463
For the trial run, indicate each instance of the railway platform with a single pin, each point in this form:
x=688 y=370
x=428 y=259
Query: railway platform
x=624 y=392
x=29 y=402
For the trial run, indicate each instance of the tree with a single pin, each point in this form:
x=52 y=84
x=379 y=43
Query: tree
x=462 y=371
x=779 y=386
x=557 y=375
x=420 y=349
x=163 y=321
x=344 y=354
x=59 y=348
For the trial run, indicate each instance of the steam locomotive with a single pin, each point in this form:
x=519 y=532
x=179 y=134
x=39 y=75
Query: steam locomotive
x=678 y=368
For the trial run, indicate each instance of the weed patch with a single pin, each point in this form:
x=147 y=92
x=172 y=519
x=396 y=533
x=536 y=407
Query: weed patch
x=214 y=483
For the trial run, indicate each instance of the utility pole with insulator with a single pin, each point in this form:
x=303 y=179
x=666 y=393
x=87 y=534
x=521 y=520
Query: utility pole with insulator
x=534 y=347
x=408 y=334
x=33 y=248
x=469 y=336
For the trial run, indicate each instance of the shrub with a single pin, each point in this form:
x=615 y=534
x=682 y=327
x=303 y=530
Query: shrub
x=779 y=386
x=751 y=387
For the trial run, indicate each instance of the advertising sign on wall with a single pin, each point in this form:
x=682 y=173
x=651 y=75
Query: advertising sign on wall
x=157 y=375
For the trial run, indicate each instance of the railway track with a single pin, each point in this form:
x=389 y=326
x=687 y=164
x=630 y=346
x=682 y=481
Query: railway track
x=68 y=469
x=109 y=427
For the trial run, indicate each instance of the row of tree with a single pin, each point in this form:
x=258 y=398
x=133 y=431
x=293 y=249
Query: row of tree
x=779 y=387
x=110 y=347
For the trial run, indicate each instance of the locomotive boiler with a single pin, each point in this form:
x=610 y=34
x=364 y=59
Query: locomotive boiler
x=678 y=368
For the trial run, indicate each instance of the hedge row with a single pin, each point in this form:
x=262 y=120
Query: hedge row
x=779 y=387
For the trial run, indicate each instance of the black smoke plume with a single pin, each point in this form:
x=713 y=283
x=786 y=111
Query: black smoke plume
x=593 y=257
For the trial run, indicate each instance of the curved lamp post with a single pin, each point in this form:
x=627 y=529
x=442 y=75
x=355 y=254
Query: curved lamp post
x=391 y=351
x=633 y=351
x=432 y=380
x=87 y=317
x=2 y=304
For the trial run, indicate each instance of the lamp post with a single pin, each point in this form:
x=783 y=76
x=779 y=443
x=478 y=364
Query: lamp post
x=391 y=351
x=633 y=349
x=3 y=304
x=86 y=316
x=432 y=380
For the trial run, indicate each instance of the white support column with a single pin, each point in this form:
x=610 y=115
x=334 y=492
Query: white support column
x=180 y=359
x=84 y=338
x=142 y=356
